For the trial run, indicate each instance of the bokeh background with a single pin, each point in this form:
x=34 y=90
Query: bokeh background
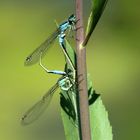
x=113 y=59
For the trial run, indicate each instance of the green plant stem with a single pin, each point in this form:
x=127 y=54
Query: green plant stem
x=85 y=133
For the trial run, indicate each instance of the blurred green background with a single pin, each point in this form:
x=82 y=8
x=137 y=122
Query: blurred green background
x=113 y=59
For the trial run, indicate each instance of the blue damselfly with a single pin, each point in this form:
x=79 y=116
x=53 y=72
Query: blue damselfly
x=65 y=82
x=34 y=57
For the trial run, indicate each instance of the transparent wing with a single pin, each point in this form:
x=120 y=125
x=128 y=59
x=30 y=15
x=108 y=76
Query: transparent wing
x=35 y=55
x=37 y=109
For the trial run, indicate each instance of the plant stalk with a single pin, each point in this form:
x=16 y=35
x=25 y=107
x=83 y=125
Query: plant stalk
x=84 y=120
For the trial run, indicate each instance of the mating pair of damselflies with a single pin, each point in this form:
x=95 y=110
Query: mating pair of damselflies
x=67 y=79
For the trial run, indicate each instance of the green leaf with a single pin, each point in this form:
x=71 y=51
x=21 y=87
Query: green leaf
x=71 y=130
x=96 y=12
x=99 y=122
x=100 y=125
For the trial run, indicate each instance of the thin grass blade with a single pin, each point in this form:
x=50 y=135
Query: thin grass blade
x=97 y=9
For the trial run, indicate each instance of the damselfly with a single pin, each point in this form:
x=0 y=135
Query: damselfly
x=34 y=57
x=65 y=82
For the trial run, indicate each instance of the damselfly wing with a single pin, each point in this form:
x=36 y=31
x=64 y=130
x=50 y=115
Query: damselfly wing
x=41 y=50
x=37 y=109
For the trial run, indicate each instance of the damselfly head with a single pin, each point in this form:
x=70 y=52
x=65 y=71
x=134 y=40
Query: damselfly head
x=72 y=19
x=65 y=84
